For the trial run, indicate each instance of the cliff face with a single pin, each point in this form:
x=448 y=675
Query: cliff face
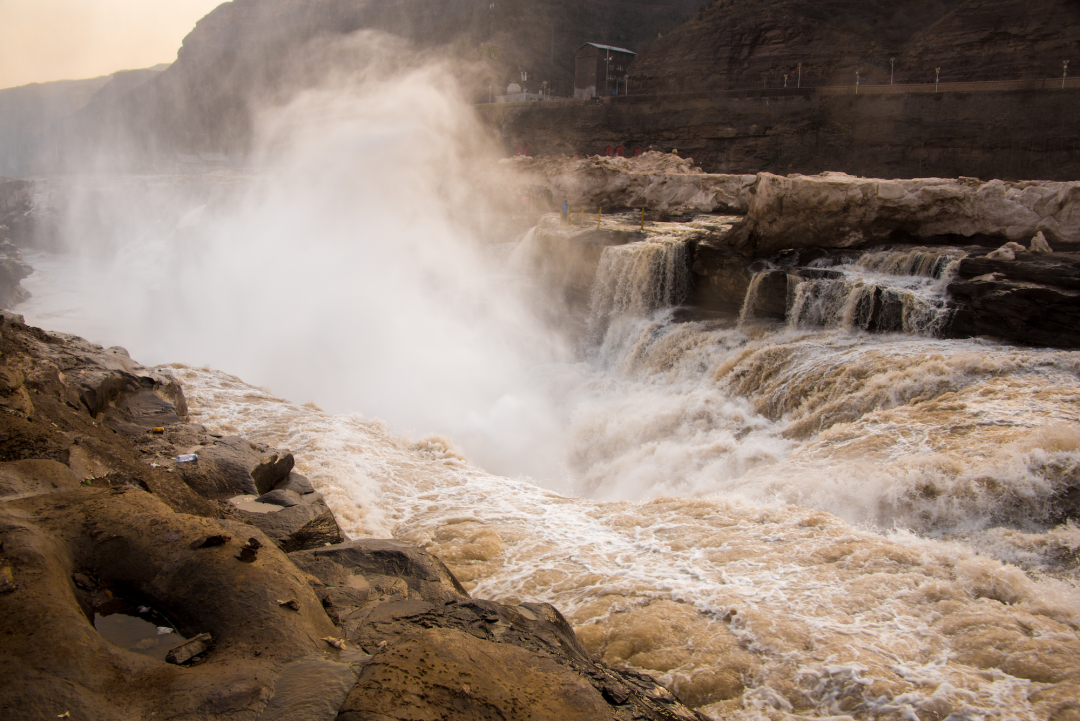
x=753 y=43
x=248 y=54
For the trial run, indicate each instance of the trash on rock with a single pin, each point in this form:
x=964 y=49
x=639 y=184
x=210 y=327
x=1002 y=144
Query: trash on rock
x=338 y=643
x=135 y=626
x=157 y=429
x=187 y=458
x=191 y=652
x=7 y=580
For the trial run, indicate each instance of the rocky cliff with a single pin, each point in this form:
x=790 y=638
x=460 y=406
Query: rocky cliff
x=151 y=568
x=754 y=43
x=250 y=54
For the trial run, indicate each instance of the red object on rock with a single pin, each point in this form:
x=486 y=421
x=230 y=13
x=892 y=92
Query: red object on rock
x=637 y=152
x=620 y=150
x=607 y=150
x=527 y=150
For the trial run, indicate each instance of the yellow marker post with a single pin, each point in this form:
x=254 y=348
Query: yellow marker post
x=642 y=219
x=599 y=212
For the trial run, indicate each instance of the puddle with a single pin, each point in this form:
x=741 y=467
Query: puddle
x=137 y=628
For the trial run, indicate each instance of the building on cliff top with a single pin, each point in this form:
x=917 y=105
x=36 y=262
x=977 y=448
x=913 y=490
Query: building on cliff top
x=600 y=70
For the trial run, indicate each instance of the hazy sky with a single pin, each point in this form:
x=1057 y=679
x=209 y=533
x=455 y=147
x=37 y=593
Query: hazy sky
x=43 y=40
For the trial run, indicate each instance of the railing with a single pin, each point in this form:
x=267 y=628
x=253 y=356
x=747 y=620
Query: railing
x=907 y=88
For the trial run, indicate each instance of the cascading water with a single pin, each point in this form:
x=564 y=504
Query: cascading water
x=881 y=290
x=784 y=522
x=636 y=279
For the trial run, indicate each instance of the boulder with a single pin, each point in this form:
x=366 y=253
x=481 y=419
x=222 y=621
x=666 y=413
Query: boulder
x=423 y=574
x=295 y=526
x=1016 y=311
x=296 y=483
x=475 y=659
x=233 y=465
x=68 y=548
x=1039 y=244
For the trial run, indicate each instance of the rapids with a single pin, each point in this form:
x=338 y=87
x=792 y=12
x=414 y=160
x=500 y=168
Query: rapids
x=780 y=521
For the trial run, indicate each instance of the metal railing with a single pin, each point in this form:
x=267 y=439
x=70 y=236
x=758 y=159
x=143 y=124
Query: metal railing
x=749 y=92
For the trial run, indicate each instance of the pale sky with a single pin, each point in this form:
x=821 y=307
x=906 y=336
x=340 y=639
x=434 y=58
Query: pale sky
x=42 y=40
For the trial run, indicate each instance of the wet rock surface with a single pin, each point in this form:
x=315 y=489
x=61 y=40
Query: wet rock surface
x=271 y=615
x=1033 y=299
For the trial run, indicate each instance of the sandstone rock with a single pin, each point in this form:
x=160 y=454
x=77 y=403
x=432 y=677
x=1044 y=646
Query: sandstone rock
x=232 y=465
x=311 y=689
x=1039 y=244
x=425 y=575
x=488 y=661
x=296 y=483
x=281 y=497
x=834 y=210
x=656 y=181
x=132 y=542
x=33 y=477
x=1002 y=253
x=308 y=523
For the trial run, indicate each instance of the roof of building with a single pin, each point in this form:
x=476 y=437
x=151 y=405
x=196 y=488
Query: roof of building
x=610 y=47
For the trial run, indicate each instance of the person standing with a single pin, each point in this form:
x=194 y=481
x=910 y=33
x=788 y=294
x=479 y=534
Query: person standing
x=565 y=212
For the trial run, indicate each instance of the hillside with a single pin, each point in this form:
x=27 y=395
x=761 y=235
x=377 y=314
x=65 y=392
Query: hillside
x=29 y=110
x=250 y=53
x=737 y=44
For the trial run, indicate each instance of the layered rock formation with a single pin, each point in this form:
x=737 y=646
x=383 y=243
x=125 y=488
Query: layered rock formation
x=798 y=228
x=835 y=210
x=135 y=582
x=754 y=43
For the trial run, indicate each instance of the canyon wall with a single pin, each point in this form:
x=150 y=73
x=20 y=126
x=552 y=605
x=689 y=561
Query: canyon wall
x=1012 y=135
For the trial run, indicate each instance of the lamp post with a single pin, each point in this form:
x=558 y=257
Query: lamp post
x=799 y=68
x=1064 y=72
x=785 y=81
x=937 y=77
x=856 y=82
x=892 y=69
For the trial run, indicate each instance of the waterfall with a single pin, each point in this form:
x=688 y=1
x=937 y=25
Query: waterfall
x=746 y=313
x=922 y=262
x=636 y=279
x=882 y=291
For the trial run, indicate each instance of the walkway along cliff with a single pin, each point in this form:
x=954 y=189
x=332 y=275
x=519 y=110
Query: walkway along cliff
x=964 y=129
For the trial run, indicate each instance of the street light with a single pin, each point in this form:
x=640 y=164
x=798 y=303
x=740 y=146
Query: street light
x=937 y=77
x=856 y=82
x=785 y=81
x=892 y=69
x=1064 y=72
x=799 y=85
